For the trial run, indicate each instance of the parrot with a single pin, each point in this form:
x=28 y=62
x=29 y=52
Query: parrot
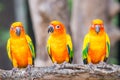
x=96 y=44
x=20 y=48
x=59 y=43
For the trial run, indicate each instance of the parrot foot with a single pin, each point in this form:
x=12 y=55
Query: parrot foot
x=91 y=66
x=28 y=69
x=102 y=64
x=63 y=64
x=56 y=66
x=14 y=70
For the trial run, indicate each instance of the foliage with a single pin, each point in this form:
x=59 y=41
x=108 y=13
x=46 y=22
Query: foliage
x=4 y=34
x=70 y=6
x=1 y=7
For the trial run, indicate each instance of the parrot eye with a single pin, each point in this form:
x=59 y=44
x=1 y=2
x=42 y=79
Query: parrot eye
x=57 y=27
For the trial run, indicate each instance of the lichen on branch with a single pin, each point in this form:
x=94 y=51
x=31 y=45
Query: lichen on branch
x=65 y=71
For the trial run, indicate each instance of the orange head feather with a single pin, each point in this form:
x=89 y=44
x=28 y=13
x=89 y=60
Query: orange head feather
x=56 y=28
x=17 y=29
x=97 y=26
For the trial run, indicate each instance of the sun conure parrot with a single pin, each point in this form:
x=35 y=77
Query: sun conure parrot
x=96 y=46
x=59 y=44
x=20 y=47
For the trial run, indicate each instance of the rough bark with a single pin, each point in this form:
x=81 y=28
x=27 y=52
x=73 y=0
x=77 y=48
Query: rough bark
x=84 y=11
x=65 y=72
x=42 y=12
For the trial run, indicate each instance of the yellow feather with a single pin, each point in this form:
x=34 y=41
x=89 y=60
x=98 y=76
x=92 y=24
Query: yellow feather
x=69 y=41
x=30 y=45
x=8 y=49
x=86 y=41
x=97 y=21
x=28 y=38
x=48 y=45
x=107 y=50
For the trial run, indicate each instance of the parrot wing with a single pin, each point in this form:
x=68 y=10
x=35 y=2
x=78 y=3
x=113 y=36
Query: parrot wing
x=48 y=47
x=70 y=48
x=31 y=46
x=85 y=48
x=107 y=47
x=8 y=49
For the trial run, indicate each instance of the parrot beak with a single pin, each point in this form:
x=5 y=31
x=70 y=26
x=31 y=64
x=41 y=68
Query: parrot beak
x=97 y=28
x=50 y=29
x=18 y=31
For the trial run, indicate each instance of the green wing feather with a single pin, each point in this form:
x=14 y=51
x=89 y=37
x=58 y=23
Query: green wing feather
x=8 y=50
x=70 y=47
x=85 y=48
x=31 y=46
x=107 y=46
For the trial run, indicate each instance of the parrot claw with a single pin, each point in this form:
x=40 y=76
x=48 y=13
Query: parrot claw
x=63 y=64
x=56 y=66
x=102 y=64
x=91 y=66
x=14 y=70
x=28 y=69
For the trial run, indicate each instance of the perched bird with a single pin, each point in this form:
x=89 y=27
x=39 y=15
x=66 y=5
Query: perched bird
x=20 y=47
x=96 y=46
x=59 y=44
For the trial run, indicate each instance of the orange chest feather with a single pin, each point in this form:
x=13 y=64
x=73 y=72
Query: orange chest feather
x=19 y=49
x=97 y=42
x=19 y=45
x=59 y=49
x=97 y=47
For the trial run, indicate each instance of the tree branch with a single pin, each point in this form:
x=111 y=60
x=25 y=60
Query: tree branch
x=65 y=72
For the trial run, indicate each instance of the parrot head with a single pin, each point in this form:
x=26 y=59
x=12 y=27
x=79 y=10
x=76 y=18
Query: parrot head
x=56 y=27
x=97 y=26
x=17 y=29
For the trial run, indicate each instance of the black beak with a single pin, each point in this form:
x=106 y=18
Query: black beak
x=18 y=31
x=50 y=29
x=97 y=28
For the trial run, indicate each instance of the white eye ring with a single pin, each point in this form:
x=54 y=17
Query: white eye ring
x=57 y=27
